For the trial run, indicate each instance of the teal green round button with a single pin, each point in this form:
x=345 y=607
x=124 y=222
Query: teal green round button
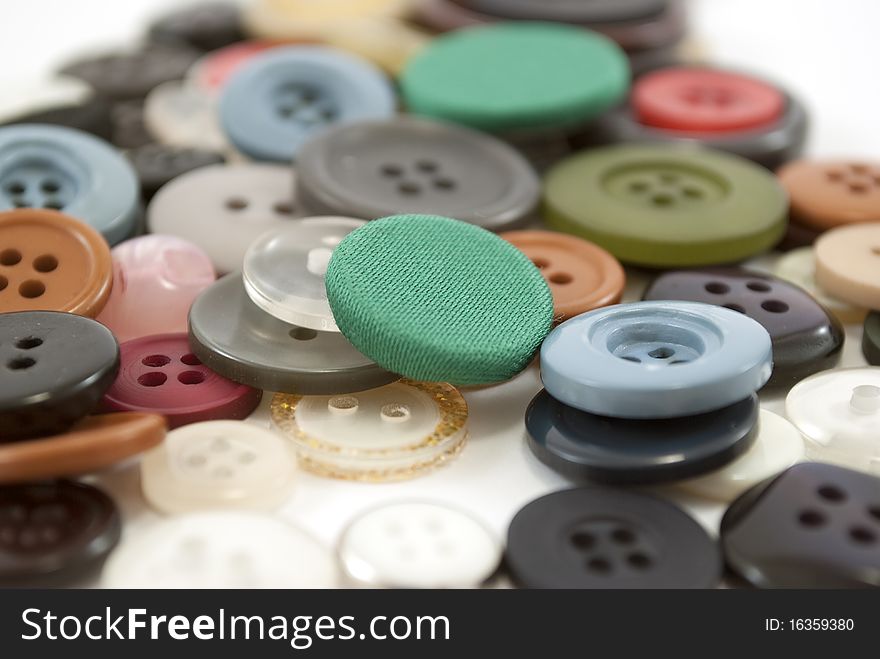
x=439 y=300
x=665 y=206
x=516 y=76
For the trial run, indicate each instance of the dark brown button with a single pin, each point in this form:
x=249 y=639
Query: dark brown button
x=55 y=528
x=806 y=338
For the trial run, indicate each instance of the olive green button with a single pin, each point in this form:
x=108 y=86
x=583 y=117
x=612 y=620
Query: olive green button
x=516 y=76
x=666 y=206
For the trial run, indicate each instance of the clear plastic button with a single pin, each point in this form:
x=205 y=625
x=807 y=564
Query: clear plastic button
x=398 y=431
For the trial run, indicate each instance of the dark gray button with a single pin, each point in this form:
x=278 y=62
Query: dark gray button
x=157 y=164
x=569 y=11
x=379 y=168
x=207 y=26
x=237 y=339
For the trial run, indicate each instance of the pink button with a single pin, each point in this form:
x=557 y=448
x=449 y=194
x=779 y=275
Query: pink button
x=212 y=71
x=159 y=374
x=155 y=281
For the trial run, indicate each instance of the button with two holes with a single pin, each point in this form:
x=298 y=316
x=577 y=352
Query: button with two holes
x=159 y=374
x=54 y=368
x=806 y=338
x=594 y=537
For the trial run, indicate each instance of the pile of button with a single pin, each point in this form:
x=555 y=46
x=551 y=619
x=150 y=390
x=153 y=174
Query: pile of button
x=409 y=202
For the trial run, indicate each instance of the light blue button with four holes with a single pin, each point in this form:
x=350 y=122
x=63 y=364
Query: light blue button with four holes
x=282 y=97
x=653 y=360
x=43 y=166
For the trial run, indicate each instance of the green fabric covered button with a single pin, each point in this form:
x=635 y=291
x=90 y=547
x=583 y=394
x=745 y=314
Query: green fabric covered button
x=438 y=300
x=667 y=206
x=517 y=76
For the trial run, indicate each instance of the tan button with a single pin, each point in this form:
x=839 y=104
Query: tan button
x=825 y=194
x=848 y=264
x=92 y=444
x=582 y=276
x=52 y=262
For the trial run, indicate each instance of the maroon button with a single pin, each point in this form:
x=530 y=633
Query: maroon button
x=159 y=374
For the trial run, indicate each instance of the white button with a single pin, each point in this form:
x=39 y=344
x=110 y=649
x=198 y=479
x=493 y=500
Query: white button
x=218 y=464
x=799 y=267
x=838 y=413
x=178 y=114
x=778 y=446
x=221 y=550
x=284 y=270
x=397 y=431
x=418 y=545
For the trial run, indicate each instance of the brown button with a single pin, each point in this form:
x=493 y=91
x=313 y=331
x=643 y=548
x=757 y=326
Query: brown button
x=52 y=262
x=826 y=194
x=582 y=276
x=92 y=444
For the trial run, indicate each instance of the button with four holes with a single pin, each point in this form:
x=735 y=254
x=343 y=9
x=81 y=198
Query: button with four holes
x=582 y=276
x=594 y=537
x=806 y=338
x=378 y=168
x=60 y=168
x=814 y=526
x=418 y=544
x=218 y=464
x=871 y=338
x=398 y=431
x=848 y=263
x=155 y=280
x=276 y=102
x=224 y=208
x=160 y=374
x=54 y=529
x=54 y=368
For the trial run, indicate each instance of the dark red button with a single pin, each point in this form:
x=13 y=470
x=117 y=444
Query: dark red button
x=705 y=101
x=159 y=374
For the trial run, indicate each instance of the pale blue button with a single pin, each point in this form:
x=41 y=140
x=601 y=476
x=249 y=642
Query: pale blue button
x=656 y=360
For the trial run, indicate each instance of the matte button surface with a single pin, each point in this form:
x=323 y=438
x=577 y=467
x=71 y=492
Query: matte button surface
x=652 y=360
x=210 y=74
x=387 y=43
x=271 y=107
x=595 y=537
x=405 y=165
x=663 y=206
x=91 y=116
x=815 y=526
x=55 y=368
x=585 y=446
x=418 y=544
x=871 y=338
x=155 y=280
x=516 y=76
x=178 y=114
x=848 y=264
x=582 y=276
x=569 y=11
x=777 y=447
x=207 y=26
x=92 y=444
x=65 y=169
x=237 y=339
x=828 y=193
x=306 y=19
x=838 y=413
x=439 y=300
x=55 y=528
x=221 y=550
x=52 y=262
x=806 y=338
x=129 y=129
x=218 y=464
x=284 y=270
x=398 y=431
x=159 y=374
x=799 y=267
x=705 y=101
x=157 y=164
x=224 y=208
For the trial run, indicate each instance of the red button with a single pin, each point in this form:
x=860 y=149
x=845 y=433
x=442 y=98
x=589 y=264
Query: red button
x=705 y=101
x=213 y=70
x=159 y=374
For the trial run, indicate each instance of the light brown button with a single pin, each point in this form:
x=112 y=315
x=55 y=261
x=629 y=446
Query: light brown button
x=826 y=194
x=582 y=276
x=52 y=262
x=848 y=264
x=92 y=444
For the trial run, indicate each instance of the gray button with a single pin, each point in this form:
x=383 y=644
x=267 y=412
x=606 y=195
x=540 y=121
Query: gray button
x=235 y=338
x=378 y=168
x=569 y=11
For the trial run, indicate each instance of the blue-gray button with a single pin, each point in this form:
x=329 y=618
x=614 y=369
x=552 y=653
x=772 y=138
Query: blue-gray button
x=43 y=166
x=656 y=360
x=273 y=105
